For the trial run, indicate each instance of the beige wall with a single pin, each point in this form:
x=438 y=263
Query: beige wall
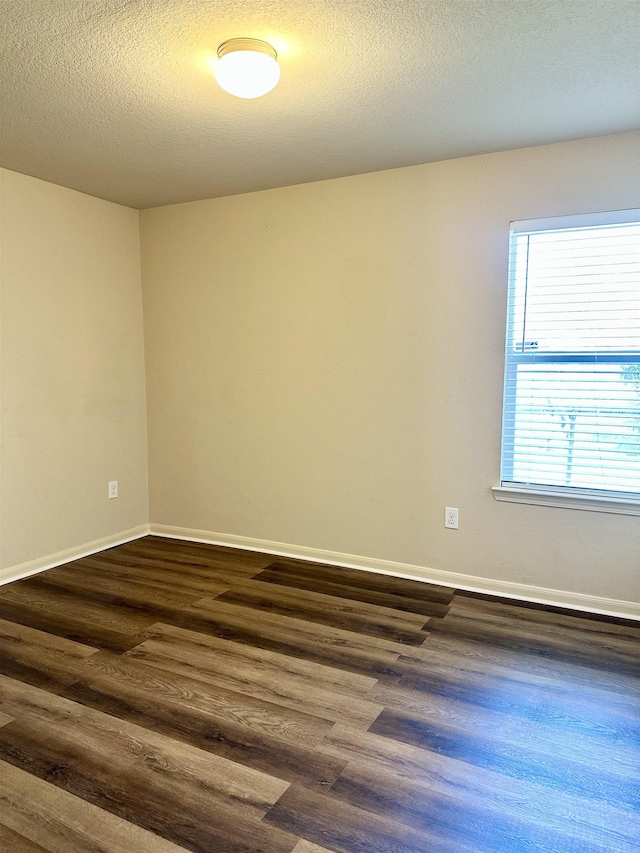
x=325 y=362
x=73 y=397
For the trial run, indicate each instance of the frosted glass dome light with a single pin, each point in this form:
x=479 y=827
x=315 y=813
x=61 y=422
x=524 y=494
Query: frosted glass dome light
x=247 y=68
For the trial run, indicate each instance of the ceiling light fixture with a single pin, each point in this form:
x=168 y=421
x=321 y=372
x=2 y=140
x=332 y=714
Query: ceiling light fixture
x=247 y=68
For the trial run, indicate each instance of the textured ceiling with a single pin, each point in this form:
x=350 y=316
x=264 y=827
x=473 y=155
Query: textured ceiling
x=116 y=97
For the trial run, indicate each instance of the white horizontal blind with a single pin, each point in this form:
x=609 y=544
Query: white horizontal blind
x=572 y=375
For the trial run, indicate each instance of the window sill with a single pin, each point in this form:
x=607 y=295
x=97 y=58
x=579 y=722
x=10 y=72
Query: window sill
x=548 y=497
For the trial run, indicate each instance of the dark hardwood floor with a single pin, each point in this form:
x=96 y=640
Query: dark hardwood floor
x=165 y=696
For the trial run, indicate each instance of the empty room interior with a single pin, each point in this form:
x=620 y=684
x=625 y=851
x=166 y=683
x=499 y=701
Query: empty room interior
x=320 y=426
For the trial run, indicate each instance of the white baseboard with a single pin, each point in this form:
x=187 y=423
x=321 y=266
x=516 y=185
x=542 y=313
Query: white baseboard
x=488 y=586
x=32 y=567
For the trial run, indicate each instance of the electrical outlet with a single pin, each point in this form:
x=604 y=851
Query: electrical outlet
x=113 y=489
x=451 y=517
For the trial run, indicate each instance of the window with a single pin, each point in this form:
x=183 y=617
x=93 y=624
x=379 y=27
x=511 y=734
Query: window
x=571 y=421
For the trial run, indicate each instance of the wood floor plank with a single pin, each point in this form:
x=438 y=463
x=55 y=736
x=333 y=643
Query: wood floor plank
x=135 y=607
x=537 y=625
x=37 y=817
x=274 y=684
x=326 y=820
x=13 y=842
x=107 y=589
x=308 y=847
x=253 y=733
x=330 y=678
x=505 y=611
x=357 y=616
x=550 y=698
x=402 y=620
x=193 y=554
x=248 y=790
x=535 y=639
x=559 y=727
x=519 y=665
x=311 y=641
x=156 y=578
x=486 y=828
x=417 y=606
x=602 y=778
x=322 y=634
x=164 y=786
x=39 y=658
x=120 y=674
x=79 y=627
x=54 y=602
x=366 y=580
x=167 y=571
x=432 y=789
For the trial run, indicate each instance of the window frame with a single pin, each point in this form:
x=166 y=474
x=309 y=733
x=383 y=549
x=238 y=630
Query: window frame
x=572 y=497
